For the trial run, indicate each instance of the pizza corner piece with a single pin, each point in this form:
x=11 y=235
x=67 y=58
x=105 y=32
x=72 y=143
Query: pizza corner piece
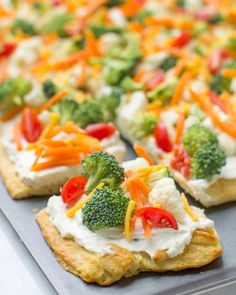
x=41 y=149
x=118 y=220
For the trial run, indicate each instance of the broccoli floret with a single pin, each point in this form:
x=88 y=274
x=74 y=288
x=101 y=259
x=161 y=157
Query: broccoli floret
x=142 y=15
x=88 y=112
x=164 y=91
x=66 y=109
x=57 y=24
x=111 y=3
x=220 y=83
x=110 y=103
x=129 y=85
x=180 y=3
x=12 y=93
x=101 y=167
x=23 y=26
x=197 y=113
x=106 y=209
x=196 y=136
x=99 y=30
x=116 y=69
x=231 y=44
x=208 y=161
x=143 y=125
x=49 y=88
x=217 y=17
x=168 y=63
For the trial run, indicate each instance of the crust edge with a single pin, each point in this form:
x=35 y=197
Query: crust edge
x=105 y=270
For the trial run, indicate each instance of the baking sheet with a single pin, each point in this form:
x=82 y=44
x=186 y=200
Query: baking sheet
x=21 y=215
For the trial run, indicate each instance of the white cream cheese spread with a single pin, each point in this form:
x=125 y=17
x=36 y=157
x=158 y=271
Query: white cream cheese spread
x=170 y=240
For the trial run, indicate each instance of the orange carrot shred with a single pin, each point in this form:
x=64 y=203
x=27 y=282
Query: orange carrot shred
x=140 y=151
x=54 y=99
x=179 y=90
x=17 y=136
x=179 y=129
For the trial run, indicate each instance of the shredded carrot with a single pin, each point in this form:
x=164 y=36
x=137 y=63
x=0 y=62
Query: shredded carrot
x=179 y=90
x=17 y=136
x=53 y=121
x=72 y=211
x=187 y=208
x=160 y=21
x=139 y=75
x=179 y=128
x=82 y=74
x=146 y=228
x=128 y=215
x=55 y=163
x=206 y=105
x=140 y=151
x=229 y=73
x=8 y=116
x=229 y=107
x=131 y=7
x=54 y=99
x=135 y=195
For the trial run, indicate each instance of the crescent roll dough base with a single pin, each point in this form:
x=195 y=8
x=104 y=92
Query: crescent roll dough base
x=105 y=270
x=17 y=188
x=220 y=192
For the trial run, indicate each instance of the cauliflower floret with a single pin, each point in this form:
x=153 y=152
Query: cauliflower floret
x=166 y=194
x=135 y=164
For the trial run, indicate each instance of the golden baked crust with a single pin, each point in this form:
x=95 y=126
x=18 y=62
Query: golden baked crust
x=105 y=270
x=219 y=192
x=17 y=188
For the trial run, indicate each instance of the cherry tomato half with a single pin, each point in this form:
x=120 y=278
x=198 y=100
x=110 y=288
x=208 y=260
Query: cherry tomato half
x=180 y=161
x=181 y=40
x=100 y=130
x=156 y=79
x=73 y=189
x=216 y=59
x=157 y=217
x=31 y=127
x=162 y=137
x=7 y=49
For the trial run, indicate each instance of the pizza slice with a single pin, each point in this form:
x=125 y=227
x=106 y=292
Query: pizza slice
x=116 y=221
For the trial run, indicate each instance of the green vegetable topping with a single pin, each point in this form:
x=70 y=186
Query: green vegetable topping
x=111 y=3
x=208 y=161
x=23 y=26
x=180 y=3
x=143 y=125
x=231 y=44
x=220 y=83
x=106 y=209
x=168 y=63
x=99 y=30
x=90 y=111
x=196 y=136
x=129 y=85
x=101 y=167
x=164 y=91
x=49 y=88
x=57 y=24
x=66 y=108
x=109 y=103
x=12 y=93
x=142 y=15
x=155 y=176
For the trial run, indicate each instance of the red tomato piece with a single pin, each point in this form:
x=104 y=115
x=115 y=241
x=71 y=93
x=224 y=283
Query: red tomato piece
x=216 y=100
x=100 y=130
x=216 y=60
x=73 y=190
x=181 y=161
x=7 y=49
x=162 y=138
x=181 y=40
x=204 y=15
x=157 y=217
x=31 y=127
x=157 y=78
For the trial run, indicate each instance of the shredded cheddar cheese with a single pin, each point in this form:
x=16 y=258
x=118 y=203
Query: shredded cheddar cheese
x=71 y=212
x=128 y=216
x=187 y=208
